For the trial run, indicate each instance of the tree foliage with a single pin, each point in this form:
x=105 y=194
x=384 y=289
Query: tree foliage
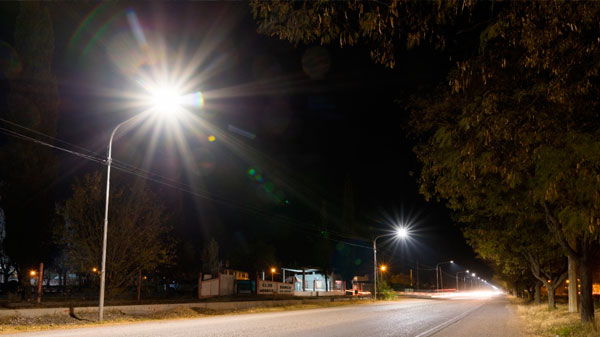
x=383 y=26
x=138 y=230
x=210 y=258
x=518 y=131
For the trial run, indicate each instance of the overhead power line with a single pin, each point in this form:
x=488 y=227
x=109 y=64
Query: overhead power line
x=156 y=178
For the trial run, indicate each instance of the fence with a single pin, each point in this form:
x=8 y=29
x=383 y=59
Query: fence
x=220 y=286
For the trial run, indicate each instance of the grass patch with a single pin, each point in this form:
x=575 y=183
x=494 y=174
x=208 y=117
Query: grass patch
x=22 y=324
x=538 y=320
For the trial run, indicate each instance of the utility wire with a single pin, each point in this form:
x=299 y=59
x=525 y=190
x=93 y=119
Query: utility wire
x=149 y=176
x=129 y=168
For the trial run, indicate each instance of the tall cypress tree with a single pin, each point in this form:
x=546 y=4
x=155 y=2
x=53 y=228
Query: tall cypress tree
x=28 y=170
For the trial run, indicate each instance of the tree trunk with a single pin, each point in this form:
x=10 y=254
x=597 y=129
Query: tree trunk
x=25 y=285
x=573 y=296
x=538 y=292
x=551 y=299
x=581 y=252
x=587 y=301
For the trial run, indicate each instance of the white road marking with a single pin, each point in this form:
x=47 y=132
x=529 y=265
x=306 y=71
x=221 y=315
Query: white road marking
x=447 y=323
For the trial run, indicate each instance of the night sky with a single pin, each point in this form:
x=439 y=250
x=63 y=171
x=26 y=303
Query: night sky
x=322 y=126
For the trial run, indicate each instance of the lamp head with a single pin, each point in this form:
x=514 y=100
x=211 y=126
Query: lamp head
x=383 y=268
x=165 y=100
x=273 y=270
x=402 y=232
x=451 y=261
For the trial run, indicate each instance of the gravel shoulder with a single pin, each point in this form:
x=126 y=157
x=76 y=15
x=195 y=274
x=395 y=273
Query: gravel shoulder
x=111 y=317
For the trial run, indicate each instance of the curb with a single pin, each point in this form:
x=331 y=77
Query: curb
x=153 y=308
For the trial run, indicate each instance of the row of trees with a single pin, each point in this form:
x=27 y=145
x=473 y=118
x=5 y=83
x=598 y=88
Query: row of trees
x=512 y=139
x=514 y=144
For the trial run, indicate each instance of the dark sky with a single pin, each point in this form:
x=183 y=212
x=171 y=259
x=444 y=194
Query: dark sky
x=327 y=124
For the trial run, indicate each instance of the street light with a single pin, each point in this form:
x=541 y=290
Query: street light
x=458 y=272
x=402 y=232
x=439 y=282
x=273 y=270
x=165 y=101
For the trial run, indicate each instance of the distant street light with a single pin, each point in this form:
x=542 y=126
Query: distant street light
x=458 y=272
x=438 y=272
x=32 y=273
x=164 y=101
x=401 y=233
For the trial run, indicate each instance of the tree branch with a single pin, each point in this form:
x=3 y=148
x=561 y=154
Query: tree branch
x=554 y=225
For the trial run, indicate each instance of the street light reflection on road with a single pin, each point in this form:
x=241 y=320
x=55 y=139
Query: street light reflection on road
x=480 y=294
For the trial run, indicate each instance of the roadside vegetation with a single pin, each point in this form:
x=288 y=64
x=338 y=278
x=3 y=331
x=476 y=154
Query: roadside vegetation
x=539 y=320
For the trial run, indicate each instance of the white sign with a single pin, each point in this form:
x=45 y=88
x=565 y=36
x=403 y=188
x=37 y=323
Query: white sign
x=285 y=288
x=265 y=287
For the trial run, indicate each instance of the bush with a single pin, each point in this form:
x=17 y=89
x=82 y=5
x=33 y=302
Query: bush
x=384 y=291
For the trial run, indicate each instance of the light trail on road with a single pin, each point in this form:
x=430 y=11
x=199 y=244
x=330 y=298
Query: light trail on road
x=408 y=317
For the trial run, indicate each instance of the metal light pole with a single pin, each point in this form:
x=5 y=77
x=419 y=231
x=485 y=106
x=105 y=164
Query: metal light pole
x=164 y=100
x=105 y=232
x=458 y=272
x=375 y=267
x=402 y=233
x=438 y=273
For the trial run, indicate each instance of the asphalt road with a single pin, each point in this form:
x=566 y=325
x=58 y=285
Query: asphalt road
x=410 y=317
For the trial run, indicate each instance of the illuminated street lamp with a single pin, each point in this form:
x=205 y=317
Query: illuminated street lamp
x=273 y=270
x=165 y=101
x=438 y=271
x=383 y=268
x=32 y=273
x=401 y=232
x=466 y=273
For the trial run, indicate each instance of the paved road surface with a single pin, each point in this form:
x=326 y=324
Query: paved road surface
x=412 y=317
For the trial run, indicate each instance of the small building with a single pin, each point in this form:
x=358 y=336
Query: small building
x=239 y=275
x=361 y=285
x=313 y=280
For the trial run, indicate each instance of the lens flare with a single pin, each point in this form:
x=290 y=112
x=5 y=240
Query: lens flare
x=165 y=100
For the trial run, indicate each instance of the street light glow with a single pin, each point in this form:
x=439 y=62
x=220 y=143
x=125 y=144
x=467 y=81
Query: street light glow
x=451 y=261
x=32 y=273
x=402 y=232
x=166 y=100
x=273 y=270
x=383 y=268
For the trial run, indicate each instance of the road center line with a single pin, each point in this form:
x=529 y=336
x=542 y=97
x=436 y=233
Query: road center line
x=447 y=323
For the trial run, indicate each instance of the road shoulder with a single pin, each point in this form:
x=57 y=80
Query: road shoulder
x=494 y=318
